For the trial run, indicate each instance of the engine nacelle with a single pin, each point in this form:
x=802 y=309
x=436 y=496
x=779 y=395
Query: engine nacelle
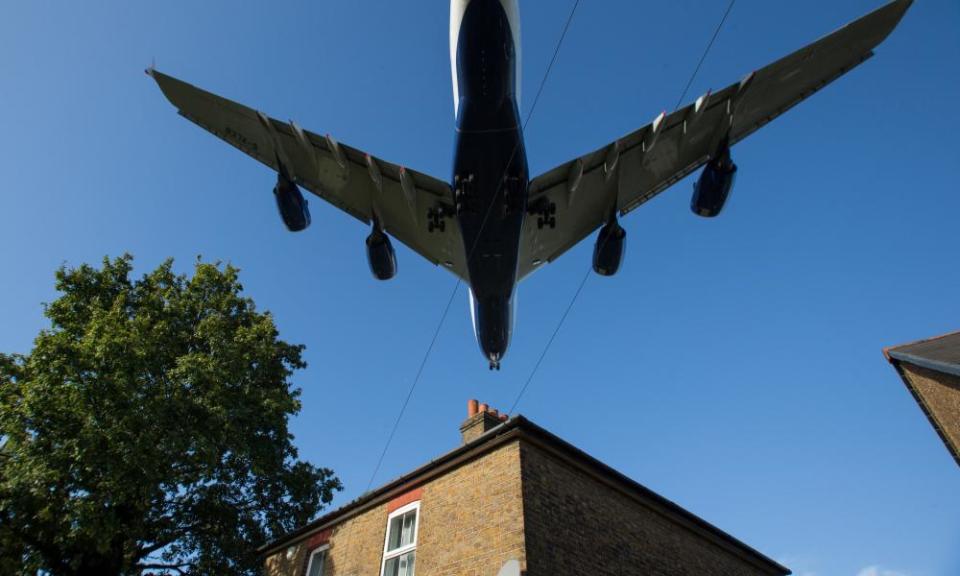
x=713 y=187
x=609 y=249
x=380 y=255
x=291 y=204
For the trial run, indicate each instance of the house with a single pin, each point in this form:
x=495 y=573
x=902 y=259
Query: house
x=512 y=491
x=931 y=371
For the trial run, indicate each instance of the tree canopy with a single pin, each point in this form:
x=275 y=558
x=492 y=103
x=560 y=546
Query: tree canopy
x=146 y=432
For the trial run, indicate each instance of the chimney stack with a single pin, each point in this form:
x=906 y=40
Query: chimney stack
x=480 y=420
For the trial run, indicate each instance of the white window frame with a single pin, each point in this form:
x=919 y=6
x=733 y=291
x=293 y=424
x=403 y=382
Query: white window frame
x=323 y=548
x=386 y=537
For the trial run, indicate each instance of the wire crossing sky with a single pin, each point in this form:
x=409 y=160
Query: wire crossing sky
x=586 y=276
x=733 y=365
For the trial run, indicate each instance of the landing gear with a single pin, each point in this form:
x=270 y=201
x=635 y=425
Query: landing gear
x=463 y=193
x=436 y=219
x=495 y=365
x=550 y=221
x=546 y=213
x=513 y=195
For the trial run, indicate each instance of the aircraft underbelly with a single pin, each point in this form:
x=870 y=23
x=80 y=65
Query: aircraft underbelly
x=490 y=176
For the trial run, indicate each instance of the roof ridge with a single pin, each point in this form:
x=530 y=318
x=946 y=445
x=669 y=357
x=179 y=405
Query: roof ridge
x=888 y=349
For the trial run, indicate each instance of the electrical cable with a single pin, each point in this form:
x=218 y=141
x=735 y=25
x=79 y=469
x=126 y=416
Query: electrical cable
x=704 y=56
x=583 y=281
x=546 y=348
x=456 y=287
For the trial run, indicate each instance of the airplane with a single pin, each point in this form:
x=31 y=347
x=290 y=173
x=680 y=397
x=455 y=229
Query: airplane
x=493 y=225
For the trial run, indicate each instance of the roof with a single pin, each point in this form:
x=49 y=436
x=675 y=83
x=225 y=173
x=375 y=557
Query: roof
x=941 y=353
x=517 y=428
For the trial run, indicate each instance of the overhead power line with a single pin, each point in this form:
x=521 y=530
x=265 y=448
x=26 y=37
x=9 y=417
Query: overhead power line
x=583 y=281
x=704 y=56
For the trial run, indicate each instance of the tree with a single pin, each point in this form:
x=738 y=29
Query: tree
x=146 y=432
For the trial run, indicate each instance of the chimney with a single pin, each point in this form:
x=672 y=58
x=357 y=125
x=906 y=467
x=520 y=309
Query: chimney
x=480 y=419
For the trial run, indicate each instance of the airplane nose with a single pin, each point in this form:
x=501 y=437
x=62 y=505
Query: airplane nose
x=494 y=335
x=494 y=344
x=492 y=320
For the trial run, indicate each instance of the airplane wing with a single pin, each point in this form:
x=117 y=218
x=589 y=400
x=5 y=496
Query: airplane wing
x=581 y=194
x=355 y=182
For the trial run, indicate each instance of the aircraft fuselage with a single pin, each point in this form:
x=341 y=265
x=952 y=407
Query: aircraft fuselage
x=490 y=176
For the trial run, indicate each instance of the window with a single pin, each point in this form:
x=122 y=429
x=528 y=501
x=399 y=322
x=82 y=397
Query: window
x=317 y=560
x=400 y=547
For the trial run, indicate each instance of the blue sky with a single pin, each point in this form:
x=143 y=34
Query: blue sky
x=733 y=366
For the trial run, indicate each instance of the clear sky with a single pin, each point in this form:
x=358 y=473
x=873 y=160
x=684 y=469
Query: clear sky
x=733 y=366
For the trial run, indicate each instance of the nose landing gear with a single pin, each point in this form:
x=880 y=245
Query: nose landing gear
x=495 y=365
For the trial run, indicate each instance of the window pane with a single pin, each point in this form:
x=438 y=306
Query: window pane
x=409 y=525
x=402 y=530
x=411 y=557
x=393 y=541
x=316 y=563
x=400 y=565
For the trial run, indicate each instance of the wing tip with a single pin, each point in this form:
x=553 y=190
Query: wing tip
x=172 y=88
x=888 y=17
x=898 y=8
x=152 y=68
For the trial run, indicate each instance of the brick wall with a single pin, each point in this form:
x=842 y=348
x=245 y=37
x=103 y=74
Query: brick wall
x=940 y=397
x=577 y=525
x=472 y=517
x=479 y=424
x=470 y=524
x=526 y=497
x=355 y=548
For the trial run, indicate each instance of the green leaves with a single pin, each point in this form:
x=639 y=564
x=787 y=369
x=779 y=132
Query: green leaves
x=148 y=426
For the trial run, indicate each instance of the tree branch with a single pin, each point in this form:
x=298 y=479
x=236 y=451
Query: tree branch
x=158 y=566
x=144 y=551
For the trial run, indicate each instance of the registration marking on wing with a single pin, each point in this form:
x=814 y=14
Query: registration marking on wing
x=240 y=139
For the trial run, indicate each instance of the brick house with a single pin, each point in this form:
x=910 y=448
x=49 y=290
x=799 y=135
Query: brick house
x=512 y=491
x=931 y=371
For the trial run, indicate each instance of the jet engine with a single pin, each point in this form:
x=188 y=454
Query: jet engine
x=609 y=249
x=291 y=204
x=380 y=255
x=713 y=187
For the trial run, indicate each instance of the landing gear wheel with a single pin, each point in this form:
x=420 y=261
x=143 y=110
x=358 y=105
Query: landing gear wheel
x=548 y=221
x=463 y=194
x=546 y=213
x=495 y=366
x=435 y=220
x=513 y=195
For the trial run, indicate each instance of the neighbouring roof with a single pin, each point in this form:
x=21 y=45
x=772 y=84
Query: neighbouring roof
x=934 y=386
x=941 y=353
x=518 y=427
